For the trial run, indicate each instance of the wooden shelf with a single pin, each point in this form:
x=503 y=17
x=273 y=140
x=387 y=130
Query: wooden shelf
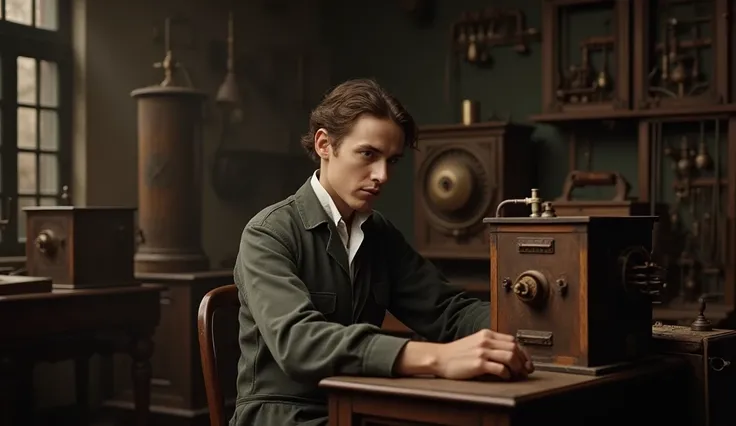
x=623 y=114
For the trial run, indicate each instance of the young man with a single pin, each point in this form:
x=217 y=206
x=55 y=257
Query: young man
x=317 y=272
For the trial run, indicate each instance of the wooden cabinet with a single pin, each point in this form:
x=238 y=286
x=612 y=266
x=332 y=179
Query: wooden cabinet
x=681 y=53
x=591 y=73
x=461 y=173
x=709 y=357
x=177 y=385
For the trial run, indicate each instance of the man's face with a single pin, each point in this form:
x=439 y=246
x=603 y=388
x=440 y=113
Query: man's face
x=355 y=174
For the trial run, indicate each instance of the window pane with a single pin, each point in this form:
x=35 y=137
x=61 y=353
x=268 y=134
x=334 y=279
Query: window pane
x=26 y=172
x=49 y=130
x=49 y=84
x=49 y=174
x=26 y=128
x=49 y=201
x=47 y=14
x=23 y=202
x=26 y=80
x=19 y=11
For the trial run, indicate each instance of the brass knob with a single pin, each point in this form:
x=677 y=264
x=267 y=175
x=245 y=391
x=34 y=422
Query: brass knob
x=46 y=243
x=450 y=185
x=530 y=287
x=526 y=288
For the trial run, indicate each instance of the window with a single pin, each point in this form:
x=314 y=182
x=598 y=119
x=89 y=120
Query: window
x=35 y=111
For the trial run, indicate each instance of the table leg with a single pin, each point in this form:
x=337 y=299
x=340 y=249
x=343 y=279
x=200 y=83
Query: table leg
x=7 y=394
x=141 y=351
x=81 y=370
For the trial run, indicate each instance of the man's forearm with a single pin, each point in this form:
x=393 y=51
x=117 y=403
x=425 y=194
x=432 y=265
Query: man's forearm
x=417 y=359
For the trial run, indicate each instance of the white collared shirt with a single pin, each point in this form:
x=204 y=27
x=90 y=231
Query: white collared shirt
x=350 y=240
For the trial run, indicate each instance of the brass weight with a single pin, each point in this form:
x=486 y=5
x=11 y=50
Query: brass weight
x=450 y=184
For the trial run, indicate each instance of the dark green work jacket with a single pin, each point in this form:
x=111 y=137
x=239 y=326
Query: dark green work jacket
x=303 y=319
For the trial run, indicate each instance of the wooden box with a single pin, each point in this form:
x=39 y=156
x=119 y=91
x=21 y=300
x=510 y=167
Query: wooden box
x=462 y=172
x=711 y=358
x=81 y=247
x=576 y=291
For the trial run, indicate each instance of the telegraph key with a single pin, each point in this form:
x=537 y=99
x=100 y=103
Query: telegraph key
x=577 y=292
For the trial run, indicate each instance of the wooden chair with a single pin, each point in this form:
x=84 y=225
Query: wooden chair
x=217 y=300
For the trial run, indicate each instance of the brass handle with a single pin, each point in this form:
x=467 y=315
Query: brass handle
x=46 y=242
x=718 y=364
x=580 y=179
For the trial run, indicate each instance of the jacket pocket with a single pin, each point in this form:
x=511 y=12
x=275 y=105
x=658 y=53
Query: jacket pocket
x=324 y=302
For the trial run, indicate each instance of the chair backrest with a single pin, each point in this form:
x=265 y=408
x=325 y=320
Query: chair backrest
x=220 y=298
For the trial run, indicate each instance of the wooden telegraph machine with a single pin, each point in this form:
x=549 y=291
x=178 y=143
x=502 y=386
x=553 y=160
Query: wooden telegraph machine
x=578 y=291
x=170 y=252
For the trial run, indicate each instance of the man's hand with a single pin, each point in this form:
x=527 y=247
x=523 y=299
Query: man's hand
x=485 y=352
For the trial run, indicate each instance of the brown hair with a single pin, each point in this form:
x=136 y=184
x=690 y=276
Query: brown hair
x=343 y=105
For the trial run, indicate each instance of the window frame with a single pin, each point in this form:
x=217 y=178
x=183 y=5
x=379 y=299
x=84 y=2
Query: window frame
x=41 y=44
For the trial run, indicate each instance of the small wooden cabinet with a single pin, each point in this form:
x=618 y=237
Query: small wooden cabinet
x=709 y=356
x=461 y=174
x=177 y=385
x=589 y=73
x=681 y=53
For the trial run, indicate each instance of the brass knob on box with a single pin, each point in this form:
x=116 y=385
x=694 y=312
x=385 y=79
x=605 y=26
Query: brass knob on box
x=46 y=242
x=530 y=287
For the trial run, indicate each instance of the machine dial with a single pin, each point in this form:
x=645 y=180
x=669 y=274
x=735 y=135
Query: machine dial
x=46 y=242
x=457 y=190
x=530 y=287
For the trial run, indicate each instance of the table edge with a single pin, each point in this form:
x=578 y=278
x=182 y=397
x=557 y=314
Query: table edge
x=331 y=384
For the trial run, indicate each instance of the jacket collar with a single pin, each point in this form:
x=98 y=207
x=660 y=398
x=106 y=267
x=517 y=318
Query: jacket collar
x=310 y=208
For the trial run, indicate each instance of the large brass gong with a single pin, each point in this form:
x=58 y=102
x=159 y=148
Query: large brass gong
x=456 y=190
x=450 y=184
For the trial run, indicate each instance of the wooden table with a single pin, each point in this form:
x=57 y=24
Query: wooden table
x=650 y=394
x=75 y=324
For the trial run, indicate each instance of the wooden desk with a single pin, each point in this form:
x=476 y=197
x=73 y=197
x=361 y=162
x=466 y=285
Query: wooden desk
x=74 y=324
x=647 y=395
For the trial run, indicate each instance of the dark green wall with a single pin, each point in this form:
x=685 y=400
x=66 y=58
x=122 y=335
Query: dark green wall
x=375 y=39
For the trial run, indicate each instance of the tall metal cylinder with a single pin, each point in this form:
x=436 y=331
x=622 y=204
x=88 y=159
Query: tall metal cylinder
x=170 y=179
